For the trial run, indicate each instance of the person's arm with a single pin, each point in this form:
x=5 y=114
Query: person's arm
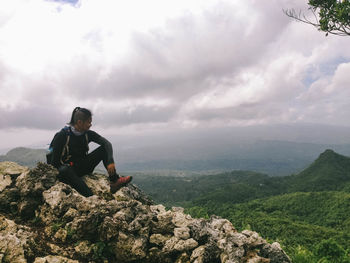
x=57 y=148
x=95 y=137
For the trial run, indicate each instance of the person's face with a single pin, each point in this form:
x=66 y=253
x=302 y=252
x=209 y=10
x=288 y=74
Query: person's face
x=83 y=126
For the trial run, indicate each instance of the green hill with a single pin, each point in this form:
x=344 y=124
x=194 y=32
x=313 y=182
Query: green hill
x=326 y=209
x=296 y=219
x=330 y=171
x=177 y=190
x=303 y=212
x=24 y=156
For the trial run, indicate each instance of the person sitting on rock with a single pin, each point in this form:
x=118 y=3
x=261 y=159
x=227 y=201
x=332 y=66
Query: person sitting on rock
x=70 y=155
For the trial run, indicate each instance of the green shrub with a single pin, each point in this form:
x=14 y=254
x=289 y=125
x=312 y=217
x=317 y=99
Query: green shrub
x=302 y=255
x=330 y=251
x=57 y=225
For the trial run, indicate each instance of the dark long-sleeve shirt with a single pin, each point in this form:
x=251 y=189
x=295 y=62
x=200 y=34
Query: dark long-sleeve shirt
x=78 y=146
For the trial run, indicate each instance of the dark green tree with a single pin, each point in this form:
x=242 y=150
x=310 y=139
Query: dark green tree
x=330 y=251
x=330 y=16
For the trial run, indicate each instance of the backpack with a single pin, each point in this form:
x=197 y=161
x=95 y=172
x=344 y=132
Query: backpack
x=65 y=151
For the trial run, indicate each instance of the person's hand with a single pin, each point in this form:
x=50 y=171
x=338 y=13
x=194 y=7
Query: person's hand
x=111 y=169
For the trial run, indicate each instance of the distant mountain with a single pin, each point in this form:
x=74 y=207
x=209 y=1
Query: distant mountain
x=270 y=157
x=330 y=171
x=24 y=156
x=235 y=186
x=302 y=211
x=275 y=158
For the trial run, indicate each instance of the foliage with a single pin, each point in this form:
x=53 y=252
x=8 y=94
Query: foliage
x=330 y=251
x=36 y=221
x=70 y=232
x=297 y=218
x=331 y=171
x=100 y=251
x=296 y=236
x=330 y=16
x=181 y=189
x=302 y=255
x=57 y=225
x=198 y=212
x=302 y=212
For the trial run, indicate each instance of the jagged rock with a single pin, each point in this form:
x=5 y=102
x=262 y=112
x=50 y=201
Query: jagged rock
x=11 y=168
x=159 y=239
x=182 y=232
x=198 y=255
x=5 y=180
x=130 y=248
x=31 y=185
x=183 y=258
x=83 y=248
x=54 y=259
x=9 y=196
x=273 y=252
x=253 y=238
x=64 y=226
x=15 y=241
x=164 y=223
x=186 y=245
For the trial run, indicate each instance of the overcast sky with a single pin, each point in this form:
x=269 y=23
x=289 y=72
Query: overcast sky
x=159 y=65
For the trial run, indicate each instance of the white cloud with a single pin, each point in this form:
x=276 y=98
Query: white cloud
x=167 y=63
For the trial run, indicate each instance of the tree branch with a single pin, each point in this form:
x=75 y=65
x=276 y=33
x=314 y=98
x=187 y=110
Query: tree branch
x=334 y=27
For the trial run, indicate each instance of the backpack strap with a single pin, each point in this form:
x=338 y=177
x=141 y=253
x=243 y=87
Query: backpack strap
x=65 y=151
x=87 y=143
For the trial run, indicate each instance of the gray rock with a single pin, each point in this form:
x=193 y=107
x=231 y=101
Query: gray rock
x=182 y=232
x=159 y=239
x=15 y=241
x=275 y=253
x=5 y=180
x=127 y=226
x=54 y=259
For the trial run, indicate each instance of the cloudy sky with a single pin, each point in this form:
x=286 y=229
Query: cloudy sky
x=156 y=65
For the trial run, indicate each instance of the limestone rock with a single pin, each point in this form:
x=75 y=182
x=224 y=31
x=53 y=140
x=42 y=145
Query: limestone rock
x=54 y=259
x=159 y=239
x=11 y=168
x=273 y=252
x=5 y=180
x=198 y=255
x=182 y=232
x=64 y=226
x=15 y=241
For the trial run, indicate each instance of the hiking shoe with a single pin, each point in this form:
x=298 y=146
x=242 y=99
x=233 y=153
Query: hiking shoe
x=122 y=181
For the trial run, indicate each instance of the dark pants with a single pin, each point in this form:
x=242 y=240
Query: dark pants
x=72 y=175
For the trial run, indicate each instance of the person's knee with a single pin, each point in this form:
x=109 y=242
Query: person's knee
x=64 y=169
x=64 y=172
x=101 y=150
x=68 y=175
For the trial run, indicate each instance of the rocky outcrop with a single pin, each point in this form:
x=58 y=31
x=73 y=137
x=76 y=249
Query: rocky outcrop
x=43 y=220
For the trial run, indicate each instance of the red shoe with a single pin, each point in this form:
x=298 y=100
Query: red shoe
x=121 y=181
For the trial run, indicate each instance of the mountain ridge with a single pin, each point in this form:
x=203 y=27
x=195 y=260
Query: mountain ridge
x=273 y=157
x=330 y=171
